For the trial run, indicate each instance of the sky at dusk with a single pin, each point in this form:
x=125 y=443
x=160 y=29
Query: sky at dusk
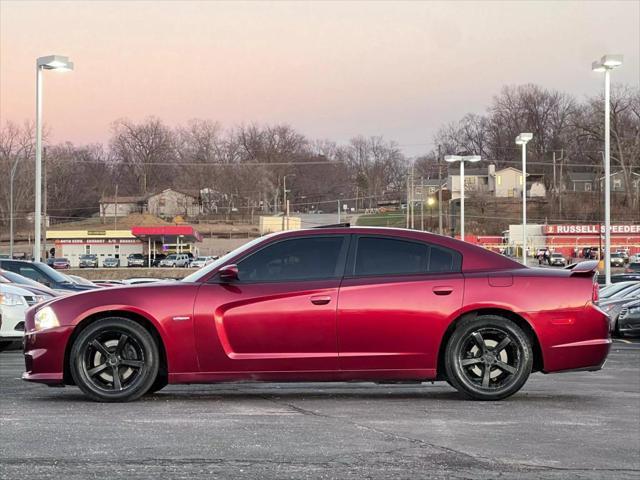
x=330 y=69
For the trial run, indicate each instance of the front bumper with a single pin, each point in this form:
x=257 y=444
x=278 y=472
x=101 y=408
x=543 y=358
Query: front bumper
x=629 y=325
x=44 y=355
x=12 y=322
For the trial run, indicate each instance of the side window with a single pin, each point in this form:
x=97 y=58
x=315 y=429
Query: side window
x=442 y=260
x=389 y=256
x=33 y=274
x=386 y=256
x=311 y=258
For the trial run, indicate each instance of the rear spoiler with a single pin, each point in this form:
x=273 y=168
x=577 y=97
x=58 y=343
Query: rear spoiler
x=583 y=269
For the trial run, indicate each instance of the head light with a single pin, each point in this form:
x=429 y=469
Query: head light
x=45 y=318
x=11 y=299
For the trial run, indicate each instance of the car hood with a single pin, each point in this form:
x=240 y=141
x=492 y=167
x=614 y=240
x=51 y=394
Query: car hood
x=153 y=300
x=12 y=288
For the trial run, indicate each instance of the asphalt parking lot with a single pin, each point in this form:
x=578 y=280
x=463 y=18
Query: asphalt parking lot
x=574 y=425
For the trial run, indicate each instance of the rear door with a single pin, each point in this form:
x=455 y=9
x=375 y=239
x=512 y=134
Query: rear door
x=395 y=303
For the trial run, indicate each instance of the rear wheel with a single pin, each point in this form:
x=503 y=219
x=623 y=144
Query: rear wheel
x=488 y=358
x=114 y=360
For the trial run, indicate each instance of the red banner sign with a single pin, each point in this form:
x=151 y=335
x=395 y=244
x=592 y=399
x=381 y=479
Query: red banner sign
x=590 y=229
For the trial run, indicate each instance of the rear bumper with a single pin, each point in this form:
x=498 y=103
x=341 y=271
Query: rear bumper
x=589 y=356
x=574 y=340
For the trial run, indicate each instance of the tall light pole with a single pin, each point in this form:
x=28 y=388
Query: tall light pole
x=50 y=62
x=462 y=159
x=606 y=64
x=522 y=140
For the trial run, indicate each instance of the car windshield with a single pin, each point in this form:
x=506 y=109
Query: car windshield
x=195 y=276
x=557 y=255
x=616 y=255
x=606 y=292
x=17 y=278
x=630 y=292
x=81 y=280
x=172 y=257
x=52 y=274
x=87 y=257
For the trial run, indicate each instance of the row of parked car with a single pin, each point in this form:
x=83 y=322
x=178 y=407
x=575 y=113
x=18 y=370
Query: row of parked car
x=180 y=260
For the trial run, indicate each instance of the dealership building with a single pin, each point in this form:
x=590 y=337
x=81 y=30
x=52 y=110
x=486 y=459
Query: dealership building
x=149 y=241
x=569 y=239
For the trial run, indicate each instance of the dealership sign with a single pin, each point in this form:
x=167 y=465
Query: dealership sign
x=590 y=229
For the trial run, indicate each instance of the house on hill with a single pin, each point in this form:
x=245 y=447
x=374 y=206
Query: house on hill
x=168 y=203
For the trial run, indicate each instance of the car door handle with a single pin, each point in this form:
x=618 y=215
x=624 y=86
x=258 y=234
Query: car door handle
x=320 y=299
x=442 y=290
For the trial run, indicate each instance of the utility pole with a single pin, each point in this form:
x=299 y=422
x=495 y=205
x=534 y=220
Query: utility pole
x=284 y=200
x=413 y=226
x=339 y=219
x=115 y=212
x=555 y=184
x=422 y=204
x=11 y=179
x=408 y=198
x=439 y=193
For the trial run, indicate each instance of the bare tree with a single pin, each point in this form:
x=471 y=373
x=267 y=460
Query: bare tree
x=145 y=151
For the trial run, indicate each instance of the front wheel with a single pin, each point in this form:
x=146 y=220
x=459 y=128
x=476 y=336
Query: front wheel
x=114 y=360
x=488 y=358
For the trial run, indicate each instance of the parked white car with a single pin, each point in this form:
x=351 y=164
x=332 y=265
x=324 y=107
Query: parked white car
x=175 y=260
x=202 y=261
x=14 y=302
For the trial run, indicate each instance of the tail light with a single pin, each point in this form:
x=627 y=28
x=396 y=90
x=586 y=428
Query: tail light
x=595 y=293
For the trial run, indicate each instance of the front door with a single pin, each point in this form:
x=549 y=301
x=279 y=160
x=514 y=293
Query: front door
x=280 y=315
x=395 y=303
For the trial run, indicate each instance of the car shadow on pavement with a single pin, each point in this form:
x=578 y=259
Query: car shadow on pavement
x=237 y=394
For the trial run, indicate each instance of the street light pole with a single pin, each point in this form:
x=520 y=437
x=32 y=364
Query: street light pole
x=50 y=62
x=37 y=220
x=522 y=140
x=462 y=159
x=606 y=64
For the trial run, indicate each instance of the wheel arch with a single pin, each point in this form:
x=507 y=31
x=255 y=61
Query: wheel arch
x=538 y=360
x=136 y=317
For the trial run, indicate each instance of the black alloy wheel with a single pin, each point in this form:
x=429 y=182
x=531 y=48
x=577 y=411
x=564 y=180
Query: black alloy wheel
x=488 y=358
x=114 y=360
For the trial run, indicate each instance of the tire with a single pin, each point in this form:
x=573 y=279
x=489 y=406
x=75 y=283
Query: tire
x=114 y=360
x=4 y=344
x=159 y=383
x=476 y=369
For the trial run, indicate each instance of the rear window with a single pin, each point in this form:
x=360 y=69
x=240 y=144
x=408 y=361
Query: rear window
x=389 y=256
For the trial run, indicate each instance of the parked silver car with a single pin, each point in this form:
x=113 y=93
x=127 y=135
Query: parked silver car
x=176 y=260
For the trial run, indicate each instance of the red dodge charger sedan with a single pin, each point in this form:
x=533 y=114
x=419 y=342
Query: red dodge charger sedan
x=327 y=304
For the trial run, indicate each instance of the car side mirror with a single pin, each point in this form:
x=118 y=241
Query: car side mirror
x=228 y=273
